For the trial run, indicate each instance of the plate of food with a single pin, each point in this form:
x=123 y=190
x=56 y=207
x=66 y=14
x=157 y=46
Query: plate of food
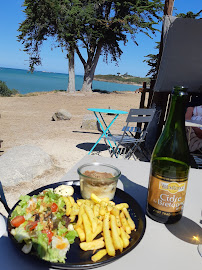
x=55 y=225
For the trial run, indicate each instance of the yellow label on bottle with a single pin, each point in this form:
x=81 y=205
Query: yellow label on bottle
x=172 y=187
x=168 y=196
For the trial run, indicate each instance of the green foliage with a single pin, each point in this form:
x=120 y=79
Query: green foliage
x=189 y=15
x=5 y=91
x=152 y=61
x=93 y=25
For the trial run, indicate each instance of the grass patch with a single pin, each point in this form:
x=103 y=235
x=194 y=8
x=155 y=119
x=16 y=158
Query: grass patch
x=122 y=79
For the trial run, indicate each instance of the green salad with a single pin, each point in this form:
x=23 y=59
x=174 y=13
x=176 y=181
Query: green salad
x=41 y=223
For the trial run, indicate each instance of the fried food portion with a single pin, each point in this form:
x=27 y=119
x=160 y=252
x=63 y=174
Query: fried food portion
x=96 y=217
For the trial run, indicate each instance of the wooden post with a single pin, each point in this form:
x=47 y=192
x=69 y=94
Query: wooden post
x=168 y=10
x=142 y=99
x=152 y=83
x=168 y=7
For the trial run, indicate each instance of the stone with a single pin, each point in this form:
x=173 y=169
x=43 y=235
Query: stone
x=61 y=114
x=90 y=122
x=22 y=164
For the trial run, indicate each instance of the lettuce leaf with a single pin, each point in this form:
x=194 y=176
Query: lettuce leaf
x=52 y=196
x=59 y=214
x=42 y=245
x=20 y=209
x=71 y=235
x=20 y=233
x=24 y=199
x=61 y=229
x=54 y=255
x=61 y=203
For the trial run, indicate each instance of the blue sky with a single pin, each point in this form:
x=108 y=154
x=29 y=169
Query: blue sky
x=54 y=60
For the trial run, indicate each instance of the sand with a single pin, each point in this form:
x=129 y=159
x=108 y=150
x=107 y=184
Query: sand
x=28 y=120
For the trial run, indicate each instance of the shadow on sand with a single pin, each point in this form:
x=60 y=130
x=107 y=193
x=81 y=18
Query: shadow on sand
x=87 y=147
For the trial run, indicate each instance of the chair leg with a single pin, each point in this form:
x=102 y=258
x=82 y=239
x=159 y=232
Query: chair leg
x=143 y=150
x=111 y=151
x=124 y=152
x=131 y=152
x=115 y=151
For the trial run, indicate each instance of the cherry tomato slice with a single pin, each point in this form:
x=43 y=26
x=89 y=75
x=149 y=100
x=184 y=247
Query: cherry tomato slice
x=17 y=221
x=49 y=234
x=54 y=207
x=31 y=225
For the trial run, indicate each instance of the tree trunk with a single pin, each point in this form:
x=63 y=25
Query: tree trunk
x=88 y=79
x=89 y=69
x=71 y=84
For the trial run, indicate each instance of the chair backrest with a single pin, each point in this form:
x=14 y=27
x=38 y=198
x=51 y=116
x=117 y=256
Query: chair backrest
x=140 y=115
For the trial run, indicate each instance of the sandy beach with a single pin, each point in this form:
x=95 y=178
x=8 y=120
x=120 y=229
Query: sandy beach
x=28 y=120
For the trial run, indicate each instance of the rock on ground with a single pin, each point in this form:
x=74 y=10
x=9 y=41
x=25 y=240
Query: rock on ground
x=90 y=122
x=22 y=164
x=61 y=115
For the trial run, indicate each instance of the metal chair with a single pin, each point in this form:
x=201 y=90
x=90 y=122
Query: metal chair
x=132 y=138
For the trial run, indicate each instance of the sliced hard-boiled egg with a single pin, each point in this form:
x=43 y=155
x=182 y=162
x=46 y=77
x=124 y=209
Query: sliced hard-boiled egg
x=64 y=190
x=61 y=243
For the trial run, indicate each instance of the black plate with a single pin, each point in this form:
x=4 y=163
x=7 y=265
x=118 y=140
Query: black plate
x=79 y=259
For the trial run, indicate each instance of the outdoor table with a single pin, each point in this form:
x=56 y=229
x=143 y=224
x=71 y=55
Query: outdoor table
x=162 y=246
x=105 y=128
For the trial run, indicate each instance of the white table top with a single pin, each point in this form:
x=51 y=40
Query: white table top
x=162 y=247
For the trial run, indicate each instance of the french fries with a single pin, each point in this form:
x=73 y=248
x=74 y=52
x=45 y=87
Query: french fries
x=95 y=217
x=124 y=223
x=81 y=234
x=107 y=236
x=87 y=228
x=81 y=212
x=68 y=205
x=99 y=255
x=122 y=205
x=124 y=238
x=95 y=244
x=98 y=229
x=91 y=217
x=129 y=219
x=115 y=234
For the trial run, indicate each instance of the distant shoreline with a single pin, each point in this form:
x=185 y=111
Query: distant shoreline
x=116 y=81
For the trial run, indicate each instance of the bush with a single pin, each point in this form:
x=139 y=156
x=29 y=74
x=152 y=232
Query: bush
x=5 y=91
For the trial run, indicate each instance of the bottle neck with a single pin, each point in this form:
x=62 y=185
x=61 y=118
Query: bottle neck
x=176 y=116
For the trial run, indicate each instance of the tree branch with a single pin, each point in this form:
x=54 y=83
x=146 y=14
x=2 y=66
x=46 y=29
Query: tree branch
x=80 y=56
x=96 y=56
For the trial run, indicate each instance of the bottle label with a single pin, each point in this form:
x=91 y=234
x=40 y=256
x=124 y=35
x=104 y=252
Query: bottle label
x=167 y=195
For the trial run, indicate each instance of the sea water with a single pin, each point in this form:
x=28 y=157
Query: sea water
x=39 y=81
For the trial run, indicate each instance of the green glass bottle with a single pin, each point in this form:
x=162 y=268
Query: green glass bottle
x=170 y=165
